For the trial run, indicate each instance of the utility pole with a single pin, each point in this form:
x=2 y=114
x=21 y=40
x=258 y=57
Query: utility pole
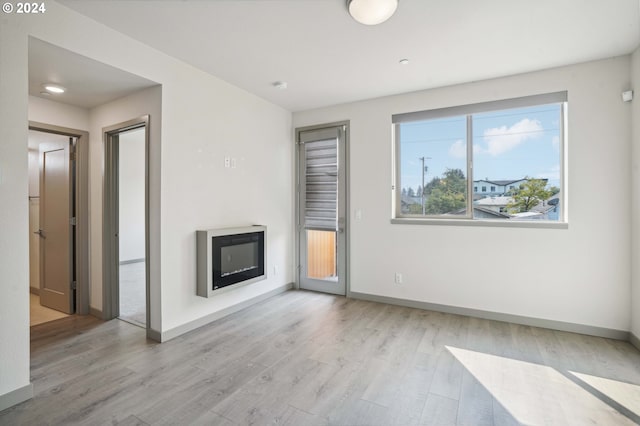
x=424 y=171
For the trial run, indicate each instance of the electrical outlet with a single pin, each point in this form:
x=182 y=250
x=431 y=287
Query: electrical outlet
x=227 y=162
x=398 y=278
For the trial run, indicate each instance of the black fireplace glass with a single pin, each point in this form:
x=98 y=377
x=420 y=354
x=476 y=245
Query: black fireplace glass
x=237 y=258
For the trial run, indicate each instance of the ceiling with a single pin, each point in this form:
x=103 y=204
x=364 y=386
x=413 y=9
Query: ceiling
x=327 y=58
x=89 y=83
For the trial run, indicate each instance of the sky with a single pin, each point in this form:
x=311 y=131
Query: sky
x=508 y=144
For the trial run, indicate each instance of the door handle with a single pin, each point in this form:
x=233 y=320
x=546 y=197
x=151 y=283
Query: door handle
x=40 y=232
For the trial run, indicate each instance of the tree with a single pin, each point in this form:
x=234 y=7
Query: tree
x=433 y=184
x=446 y=194
x=410 y=192
x=529 y=195
x=404 y=191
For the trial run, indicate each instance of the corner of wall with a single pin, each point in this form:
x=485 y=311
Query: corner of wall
x=635 y=198
x=634 y=340
x=16 y=396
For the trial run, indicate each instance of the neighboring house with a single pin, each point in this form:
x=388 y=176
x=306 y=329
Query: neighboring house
x=499 y=205
x=484 y=213
x=493 y=203
x=489 y=188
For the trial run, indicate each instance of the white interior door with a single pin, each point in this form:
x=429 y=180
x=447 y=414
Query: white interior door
x=56 y=231
x=322 y=209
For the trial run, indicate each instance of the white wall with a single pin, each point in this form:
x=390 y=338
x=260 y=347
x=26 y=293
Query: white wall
x=14 y=220
x=203 y=120
x=50 y=112
x=145 y=102
x=635 y=195
x=131 y=169
x=578 y=275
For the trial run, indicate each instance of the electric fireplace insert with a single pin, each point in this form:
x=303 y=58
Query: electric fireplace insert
x=229 y=258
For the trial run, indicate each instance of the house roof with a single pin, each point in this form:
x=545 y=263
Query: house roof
x=484 y=210
x=500 y=182
x=492 y=212
x=505 y=182
x=493 y=201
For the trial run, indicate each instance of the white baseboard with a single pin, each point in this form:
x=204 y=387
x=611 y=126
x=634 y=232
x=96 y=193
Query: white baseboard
x=16 y=396
x=192 y=325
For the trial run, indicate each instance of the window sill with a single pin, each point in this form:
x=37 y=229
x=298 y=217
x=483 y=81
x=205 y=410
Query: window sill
x=480 y=222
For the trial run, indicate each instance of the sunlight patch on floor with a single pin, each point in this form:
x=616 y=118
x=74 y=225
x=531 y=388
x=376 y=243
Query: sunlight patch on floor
x=537 y=394
x=625 y=394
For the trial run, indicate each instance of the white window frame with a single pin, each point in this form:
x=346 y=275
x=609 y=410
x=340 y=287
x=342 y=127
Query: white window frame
x=468 y=110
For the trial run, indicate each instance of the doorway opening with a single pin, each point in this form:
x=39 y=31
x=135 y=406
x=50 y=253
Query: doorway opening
x=322 y=207
x=58 y=222
x=126 y=234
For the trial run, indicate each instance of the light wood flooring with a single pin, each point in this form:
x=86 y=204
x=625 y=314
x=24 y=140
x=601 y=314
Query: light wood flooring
x=304 y=358
x=39 y=314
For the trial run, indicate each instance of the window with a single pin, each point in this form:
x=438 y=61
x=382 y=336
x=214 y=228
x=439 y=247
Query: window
x=441 y=155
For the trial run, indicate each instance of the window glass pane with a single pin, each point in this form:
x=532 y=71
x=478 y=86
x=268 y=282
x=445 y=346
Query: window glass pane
x=517 y=153
x=322 y=255
x=433 y=156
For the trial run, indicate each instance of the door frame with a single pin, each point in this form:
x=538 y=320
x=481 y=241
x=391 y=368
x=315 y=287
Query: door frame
x=82 y=209
x=298 y=198
x=110 y=214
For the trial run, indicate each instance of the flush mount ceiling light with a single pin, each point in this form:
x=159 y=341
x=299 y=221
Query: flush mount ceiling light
x=371 y=12
x=53 y=88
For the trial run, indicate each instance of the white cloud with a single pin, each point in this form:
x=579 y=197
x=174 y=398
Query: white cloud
x=555 y=142
x=552 y=174
x=502 y=139
x=458 y=149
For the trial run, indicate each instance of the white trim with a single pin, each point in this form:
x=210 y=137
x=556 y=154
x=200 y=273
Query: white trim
x=16 y=396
